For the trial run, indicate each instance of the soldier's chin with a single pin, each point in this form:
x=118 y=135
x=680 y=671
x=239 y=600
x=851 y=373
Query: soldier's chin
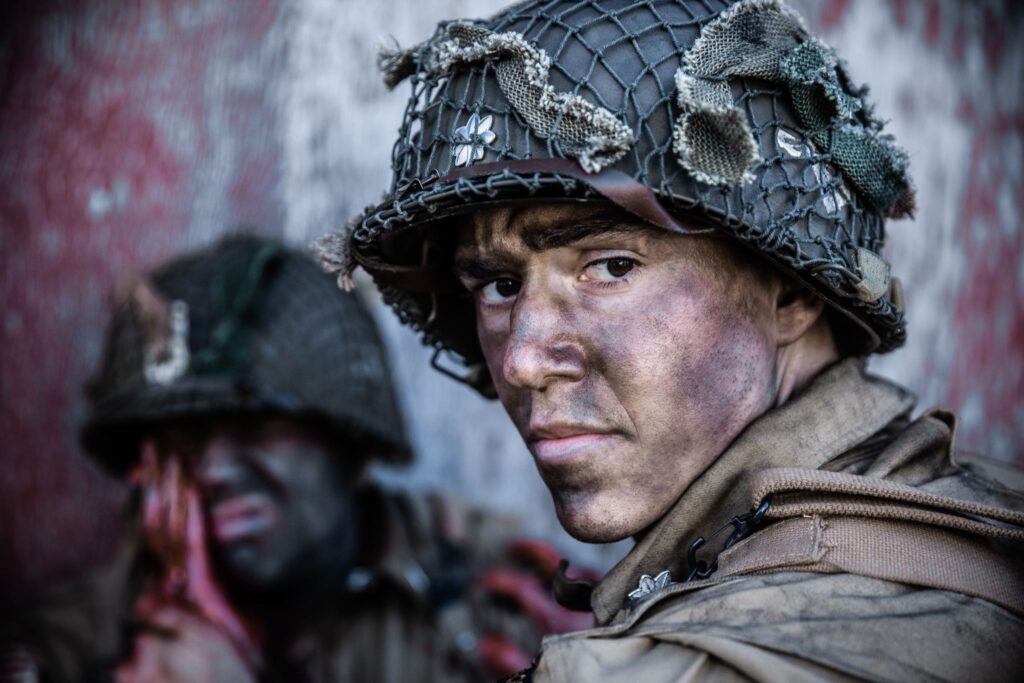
x=591 y=518
x=250 y=565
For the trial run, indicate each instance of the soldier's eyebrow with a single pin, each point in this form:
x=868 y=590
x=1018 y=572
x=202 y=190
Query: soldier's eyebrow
x=479 y=268
x=564 y=233
x=495 y=258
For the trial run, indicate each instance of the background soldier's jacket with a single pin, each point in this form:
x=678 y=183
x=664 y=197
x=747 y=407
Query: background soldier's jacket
x=802 y=617
x=410 y=613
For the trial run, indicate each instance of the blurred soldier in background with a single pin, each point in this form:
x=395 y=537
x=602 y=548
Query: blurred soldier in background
x=245 y=395
x=653 y=230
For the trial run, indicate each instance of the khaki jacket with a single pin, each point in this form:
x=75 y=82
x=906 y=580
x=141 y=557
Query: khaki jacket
x=843 y=583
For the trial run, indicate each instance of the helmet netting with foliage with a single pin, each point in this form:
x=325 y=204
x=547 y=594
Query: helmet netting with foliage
x=730 y=113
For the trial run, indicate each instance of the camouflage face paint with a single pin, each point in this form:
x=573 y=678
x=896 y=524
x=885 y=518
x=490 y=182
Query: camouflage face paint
x=277 y=505
x=628 y=359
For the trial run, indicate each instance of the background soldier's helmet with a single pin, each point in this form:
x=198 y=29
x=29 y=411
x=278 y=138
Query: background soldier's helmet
x=245 y=326
x=686 y=113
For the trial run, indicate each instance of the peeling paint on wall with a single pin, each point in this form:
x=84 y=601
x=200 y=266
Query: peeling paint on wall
x=949 y=78
x=129 y=131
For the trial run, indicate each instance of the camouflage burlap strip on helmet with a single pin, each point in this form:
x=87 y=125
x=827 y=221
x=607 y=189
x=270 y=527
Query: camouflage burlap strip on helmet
x=396 y=64
x=334 y=255
x=583 y=131
x=728 y=112
x=765 y=39
x=712 y=136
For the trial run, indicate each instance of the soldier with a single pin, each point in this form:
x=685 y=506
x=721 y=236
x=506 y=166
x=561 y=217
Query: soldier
x=653 y=231
x=245 y=396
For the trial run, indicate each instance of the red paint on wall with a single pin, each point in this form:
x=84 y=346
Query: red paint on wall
x=988 y=314
x=115 y=117
x=932 y=23
x=995 y=39
x=959 y=47
x=832 y=14
x=900 y=12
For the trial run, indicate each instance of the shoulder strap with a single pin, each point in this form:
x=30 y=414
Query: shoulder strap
x=798 y=491
x=832 y=522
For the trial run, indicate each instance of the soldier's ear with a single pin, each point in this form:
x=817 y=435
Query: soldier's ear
x=796 y=311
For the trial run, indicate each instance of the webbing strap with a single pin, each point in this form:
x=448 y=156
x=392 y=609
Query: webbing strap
x=801 y=491
x=905 y=552
x=838 y=522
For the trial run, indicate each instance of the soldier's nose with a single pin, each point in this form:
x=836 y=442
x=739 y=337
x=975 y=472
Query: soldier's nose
x=219 y=468
x=540 y=349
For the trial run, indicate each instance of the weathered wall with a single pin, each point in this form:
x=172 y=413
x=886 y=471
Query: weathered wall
x=129 y=131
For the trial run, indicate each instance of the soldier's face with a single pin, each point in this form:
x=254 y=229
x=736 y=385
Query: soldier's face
x=627 y=357
x=275 y=499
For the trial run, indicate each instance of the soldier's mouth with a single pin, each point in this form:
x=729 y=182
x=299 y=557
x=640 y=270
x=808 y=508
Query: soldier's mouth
x=242 y=517
x=553 y=450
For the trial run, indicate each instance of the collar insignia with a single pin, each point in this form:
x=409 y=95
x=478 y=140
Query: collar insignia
x=649 y=586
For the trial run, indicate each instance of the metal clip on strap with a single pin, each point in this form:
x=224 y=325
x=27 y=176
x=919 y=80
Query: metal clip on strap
x=742 y=525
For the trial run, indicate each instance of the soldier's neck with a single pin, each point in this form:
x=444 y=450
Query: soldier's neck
x=803 y=360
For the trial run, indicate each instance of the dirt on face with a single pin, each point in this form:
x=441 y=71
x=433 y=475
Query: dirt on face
x=628 y=357
x=277 y=501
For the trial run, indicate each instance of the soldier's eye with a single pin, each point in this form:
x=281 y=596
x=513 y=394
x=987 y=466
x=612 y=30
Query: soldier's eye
x=610 y=269
x=499 y=291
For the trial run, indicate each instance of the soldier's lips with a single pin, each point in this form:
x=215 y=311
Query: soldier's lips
x=242 y=517
x=554 y=450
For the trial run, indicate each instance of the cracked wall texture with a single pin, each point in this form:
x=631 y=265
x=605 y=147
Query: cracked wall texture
x=129 y=131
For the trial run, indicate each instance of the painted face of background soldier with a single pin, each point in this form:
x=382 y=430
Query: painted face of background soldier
x=654 y=232
x=244 y=395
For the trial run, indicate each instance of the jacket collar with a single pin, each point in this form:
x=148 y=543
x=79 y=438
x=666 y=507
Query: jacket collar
x=839 y=409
